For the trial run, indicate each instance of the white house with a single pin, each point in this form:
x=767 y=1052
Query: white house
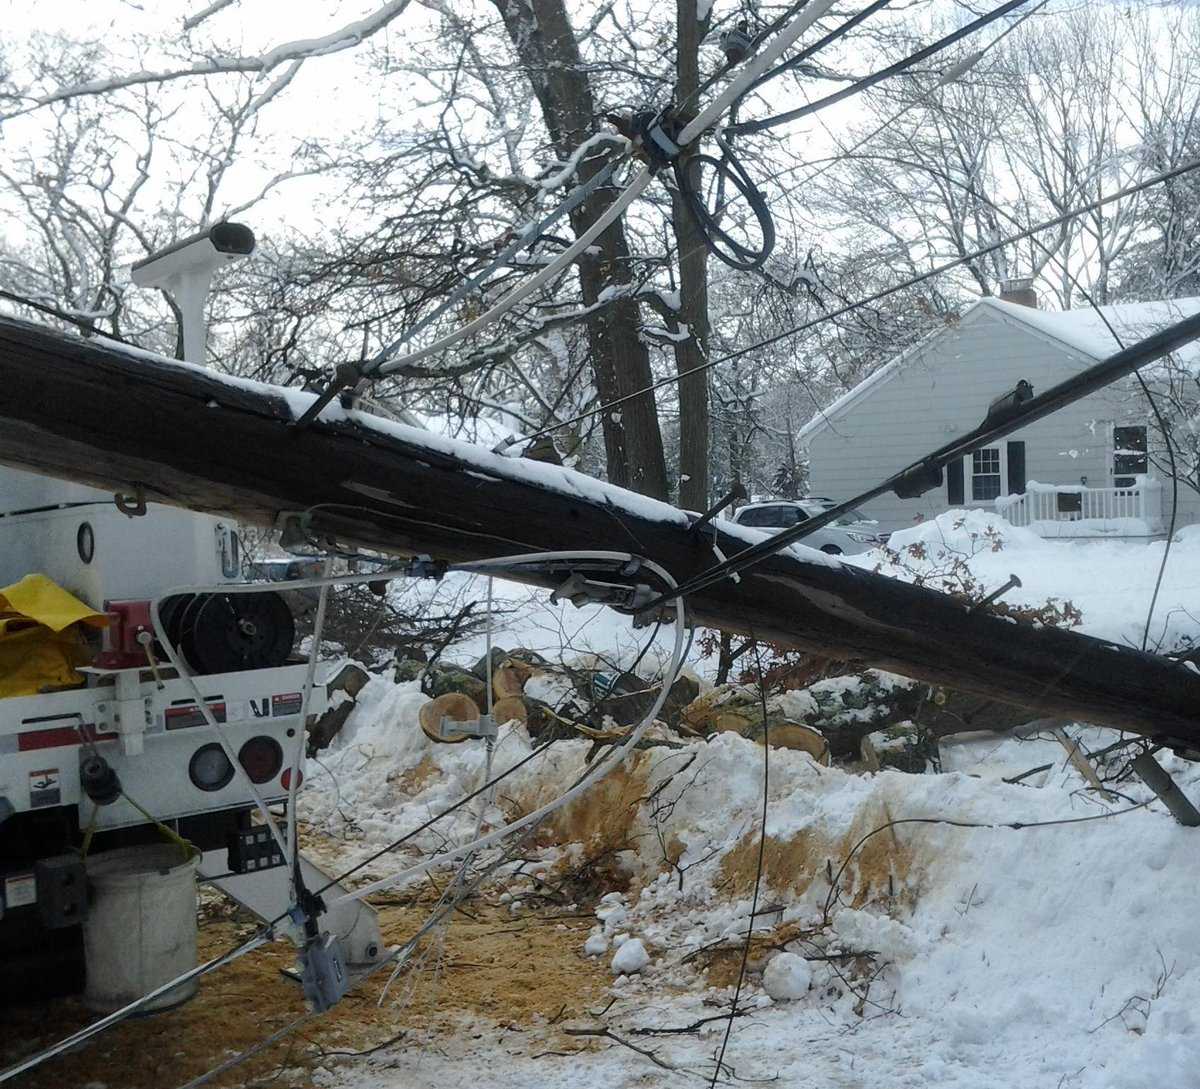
x=1083 y=471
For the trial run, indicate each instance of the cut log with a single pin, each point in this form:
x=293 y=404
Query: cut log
x=783 y=734
x=454 y=706
x=509 y=709
x=509 y=679
x=88 y=411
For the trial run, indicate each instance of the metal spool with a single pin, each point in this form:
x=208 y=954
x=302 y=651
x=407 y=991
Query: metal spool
x=224 y=633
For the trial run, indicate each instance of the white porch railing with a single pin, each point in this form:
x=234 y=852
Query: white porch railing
x=1073 y=510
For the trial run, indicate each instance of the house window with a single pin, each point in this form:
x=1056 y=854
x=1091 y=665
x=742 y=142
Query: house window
x=1129 y=455
x=985 y=473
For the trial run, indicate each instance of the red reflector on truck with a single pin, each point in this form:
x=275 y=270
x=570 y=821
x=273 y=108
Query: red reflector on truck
x=285 y=780
x=56 y=737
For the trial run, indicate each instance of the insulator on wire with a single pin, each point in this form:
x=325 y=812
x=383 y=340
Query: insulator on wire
x=736 y=43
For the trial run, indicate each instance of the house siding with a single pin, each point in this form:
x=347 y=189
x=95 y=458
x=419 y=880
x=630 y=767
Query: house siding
x=942 y=389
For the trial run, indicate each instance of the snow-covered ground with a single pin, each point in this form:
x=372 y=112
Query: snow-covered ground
x=1110 y=581
x=1061 y=955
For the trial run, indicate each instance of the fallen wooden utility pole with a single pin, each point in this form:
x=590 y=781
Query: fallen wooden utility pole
x=113 y=417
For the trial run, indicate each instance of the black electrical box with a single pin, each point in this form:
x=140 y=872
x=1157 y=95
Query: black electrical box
x=61 y=891
x=253 y=850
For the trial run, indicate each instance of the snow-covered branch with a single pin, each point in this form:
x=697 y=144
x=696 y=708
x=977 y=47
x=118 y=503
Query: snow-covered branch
x=345 y=37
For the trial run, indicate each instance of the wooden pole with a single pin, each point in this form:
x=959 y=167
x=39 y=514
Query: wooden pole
x=104 y=415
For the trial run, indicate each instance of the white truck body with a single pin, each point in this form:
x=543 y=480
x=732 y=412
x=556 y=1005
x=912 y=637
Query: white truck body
x=143 y=719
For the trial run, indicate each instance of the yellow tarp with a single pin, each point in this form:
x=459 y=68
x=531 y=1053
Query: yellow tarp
x=41 y=638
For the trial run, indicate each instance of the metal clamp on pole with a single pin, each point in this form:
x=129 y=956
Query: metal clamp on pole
x=452 y=729
x=580 y=591
x=345 y=376
x=656 y=132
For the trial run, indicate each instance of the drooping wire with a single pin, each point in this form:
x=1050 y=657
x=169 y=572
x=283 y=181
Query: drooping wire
x=728 y=170
x=600 y=768
x=955 y=823
x=866 y=82
x=913 y=281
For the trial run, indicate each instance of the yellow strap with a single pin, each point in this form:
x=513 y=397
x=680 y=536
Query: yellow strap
x=190 y=850
x=87 y=834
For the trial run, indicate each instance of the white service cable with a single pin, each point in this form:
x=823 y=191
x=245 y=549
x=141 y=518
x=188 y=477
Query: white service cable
x=302 y=730
x=600 y=770
x=614 y=211
x=773 y=51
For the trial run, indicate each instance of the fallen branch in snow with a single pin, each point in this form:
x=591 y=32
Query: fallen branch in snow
x=608 y=1034
x=605 y=1033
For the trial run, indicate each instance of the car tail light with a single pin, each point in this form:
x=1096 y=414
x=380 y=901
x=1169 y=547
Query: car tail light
x=262 y=758
x=285 y=780
x=209 y=768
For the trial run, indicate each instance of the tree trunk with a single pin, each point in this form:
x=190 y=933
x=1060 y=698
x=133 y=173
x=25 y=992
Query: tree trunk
x=542 y=35
x=693 y=289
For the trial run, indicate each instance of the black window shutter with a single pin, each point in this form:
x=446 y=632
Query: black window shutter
x=1016 y=468
x=954 y=482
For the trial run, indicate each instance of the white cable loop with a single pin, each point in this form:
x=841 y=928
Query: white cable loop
x=302 y=729
x=614 y=211
x=600 y=770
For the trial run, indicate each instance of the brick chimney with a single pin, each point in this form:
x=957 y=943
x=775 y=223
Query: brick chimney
x=1019 y=290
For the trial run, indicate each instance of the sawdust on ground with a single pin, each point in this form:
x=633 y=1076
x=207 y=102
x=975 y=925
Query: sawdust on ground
x=505 y=973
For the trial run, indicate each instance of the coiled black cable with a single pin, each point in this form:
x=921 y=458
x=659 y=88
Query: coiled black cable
x=730 y=175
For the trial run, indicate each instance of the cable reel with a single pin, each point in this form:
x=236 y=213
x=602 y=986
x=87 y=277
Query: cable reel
x=228 y=632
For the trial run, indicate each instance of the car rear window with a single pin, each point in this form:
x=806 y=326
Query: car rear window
x=777 y=517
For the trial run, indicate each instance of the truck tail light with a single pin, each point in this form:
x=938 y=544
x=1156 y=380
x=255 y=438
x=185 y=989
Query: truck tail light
x=262 y=757
x=285 y=780
x=209 y=768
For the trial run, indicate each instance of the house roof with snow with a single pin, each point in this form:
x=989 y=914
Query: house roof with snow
x=1080 y=331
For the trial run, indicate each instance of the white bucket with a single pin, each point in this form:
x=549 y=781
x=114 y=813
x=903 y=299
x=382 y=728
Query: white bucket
x=140 y=929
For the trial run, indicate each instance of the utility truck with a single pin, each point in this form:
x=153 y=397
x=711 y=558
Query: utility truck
x=118 y=751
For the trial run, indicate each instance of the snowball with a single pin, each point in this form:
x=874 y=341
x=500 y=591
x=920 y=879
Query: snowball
x=631 y=957
x=787 y=976
x=595 y=945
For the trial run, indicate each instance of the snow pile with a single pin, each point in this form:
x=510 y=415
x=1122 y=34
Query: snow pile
x=926 y=929
x=630 y=957
x=1000 y=955
x=1110 y=581
x=787 y=977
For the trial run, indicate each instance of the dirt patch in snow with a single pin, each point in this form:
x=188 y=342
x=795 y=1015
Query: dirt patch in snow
x=412 y=781
x=879 y=871
x=602 y=821
x=523 y=973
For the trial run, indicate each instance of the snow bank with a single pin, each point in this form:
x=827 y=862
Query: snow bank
x=1032 y=955
x=1110 y=581
x=1058 y=955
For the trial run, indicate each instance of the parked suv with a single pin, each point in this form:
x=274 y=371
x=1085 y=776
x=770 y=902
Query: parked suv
x=852 y=532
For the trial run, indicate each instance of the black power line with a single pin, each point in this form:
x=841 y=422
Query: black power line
x=860 y=85
x=913 y=281
x=1008 y=414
